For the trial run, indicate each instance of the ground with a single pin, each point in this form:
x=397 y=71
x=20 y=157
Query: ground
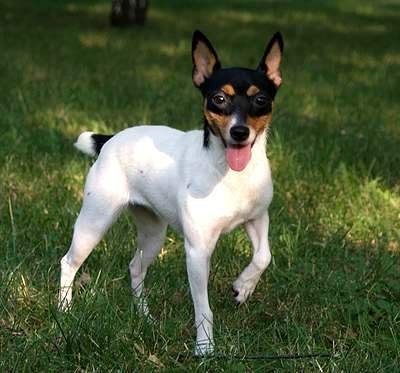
x=333 y=285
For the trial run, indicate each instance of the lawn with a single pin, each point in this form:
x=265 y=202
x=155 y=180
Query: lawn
x=334 y=283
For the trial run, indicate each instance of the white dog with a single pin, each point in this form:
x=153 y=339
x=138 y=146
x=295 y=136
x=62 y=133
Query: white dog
x=202 y=183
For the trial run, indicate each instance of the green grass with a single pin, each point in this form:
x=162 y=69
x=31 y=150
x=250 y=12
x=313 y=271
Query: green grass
x=334 y=283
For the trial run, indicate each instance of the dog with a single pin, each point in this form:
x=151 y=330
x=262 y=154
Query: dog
x=203 y=183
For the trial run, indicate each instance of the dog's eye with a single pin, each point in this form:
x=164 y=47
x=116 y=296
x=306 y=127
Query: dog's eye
x=260 y=100
x=219 y=99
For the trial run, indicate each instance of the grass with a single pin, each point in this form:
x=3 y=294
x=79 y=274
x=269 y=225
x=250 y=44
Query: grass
x=334 y=283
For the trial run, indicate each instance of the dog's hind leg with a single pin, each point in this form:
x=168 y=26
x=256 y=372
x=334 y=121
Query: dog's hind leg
x=151 y=231
x=245 y=284
x=102 y=203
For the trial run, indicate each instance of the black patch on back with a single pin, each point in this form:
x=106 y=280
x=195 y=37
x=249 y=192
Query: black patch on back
x=99 y=140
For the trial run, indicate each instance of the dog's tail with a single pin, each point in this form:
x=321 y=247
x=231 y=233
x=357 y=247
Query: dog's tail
x=91 y=143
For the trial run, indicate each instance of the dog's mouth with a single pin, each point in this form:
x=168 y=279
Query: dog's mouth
x=238 y=156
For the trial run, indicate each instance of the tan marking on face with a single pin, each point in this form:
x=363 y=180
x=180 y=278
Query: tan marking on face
x=216 y=120
x=252 y=91
x=228 y=89
x=259 y=123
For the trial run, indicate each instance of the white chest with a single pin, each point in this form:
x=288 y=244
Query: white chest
x=230 y=202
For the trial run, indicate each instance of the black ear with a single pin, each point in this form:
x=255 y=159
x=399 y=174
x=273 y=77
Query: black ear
x=204 y=57
x=271 y=60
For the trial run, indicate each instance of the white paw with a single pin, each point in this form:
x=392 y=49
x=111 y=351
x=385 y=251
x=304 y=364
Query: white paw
x=242 y=289
x=203 y=348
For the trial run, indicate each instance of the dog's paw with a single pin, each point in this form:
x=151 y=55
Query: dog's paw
x=204 y=348
x=243 y=289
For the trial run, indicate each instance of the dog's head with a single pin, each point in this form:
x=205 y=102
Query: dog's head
x=237 y=101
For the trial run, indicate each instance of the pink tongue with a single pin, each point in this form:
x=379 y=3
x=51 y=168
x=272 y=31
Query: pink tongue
x=238 y=158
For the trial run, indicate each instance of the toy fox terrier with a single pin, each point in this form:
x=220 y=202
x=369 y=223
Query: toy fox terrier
x=203 y=183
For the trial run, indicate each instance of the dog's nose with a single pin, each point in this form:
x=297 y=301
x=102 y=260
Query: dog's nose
x=239 y=133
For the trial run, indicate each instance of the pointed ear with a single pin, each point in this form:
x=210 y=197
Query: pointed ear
x=204 y=57
x=271 y=60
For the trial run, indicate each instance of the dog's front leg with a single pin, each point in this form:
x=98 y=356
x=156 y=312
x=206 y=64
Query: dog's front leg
x=198 y=267
x=245 y=284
